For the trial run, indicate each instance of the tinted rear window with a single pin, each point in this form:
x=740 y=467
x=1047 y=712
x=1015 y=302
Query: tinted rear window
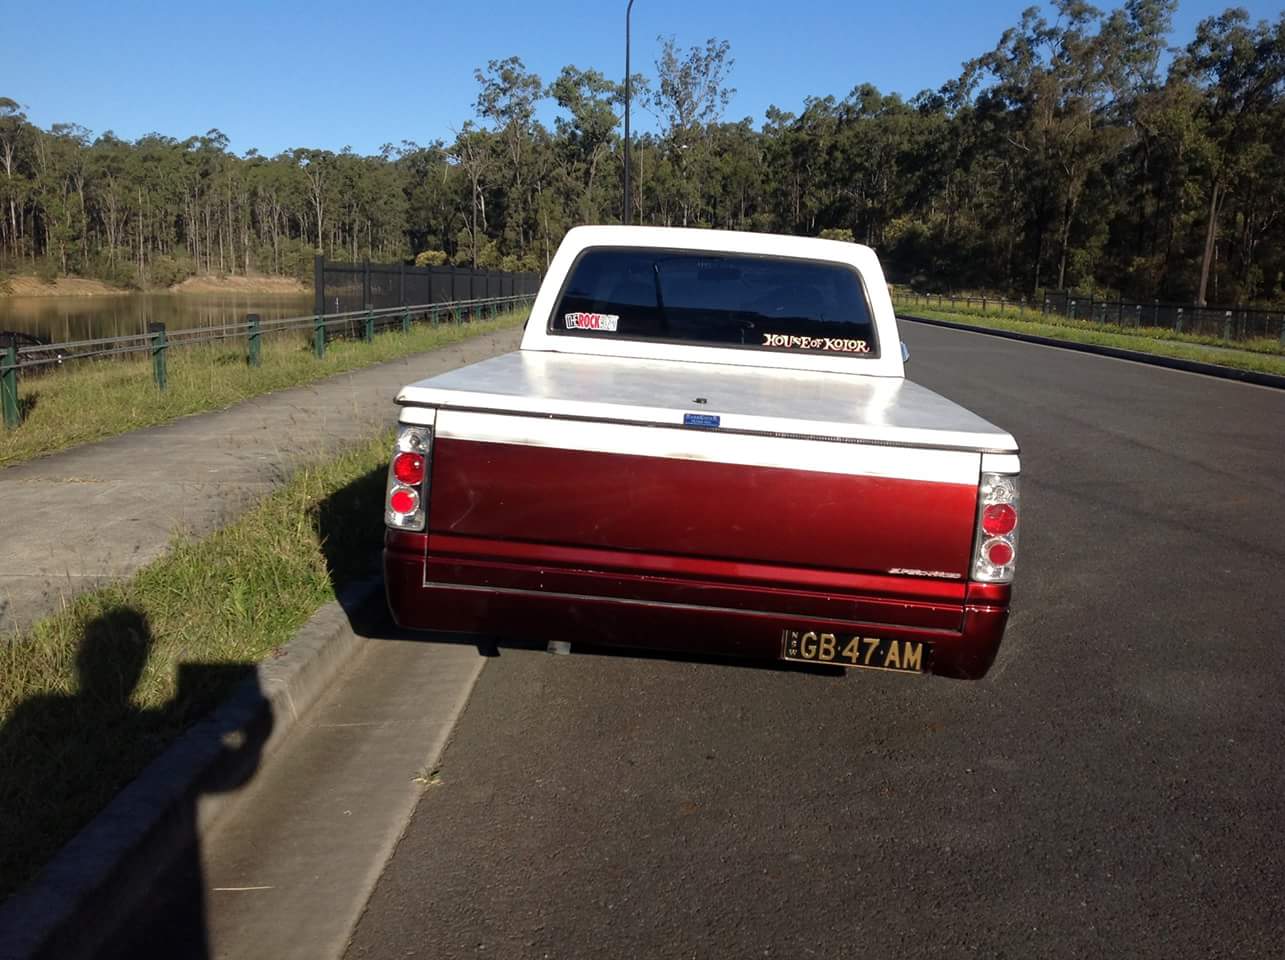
x=765 y=303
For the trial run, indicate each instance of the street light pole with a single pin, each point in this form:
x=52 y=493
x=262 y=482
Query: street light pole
x=626 y=217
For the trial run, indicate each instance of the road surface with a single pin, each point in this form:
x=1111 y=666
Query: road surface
x=1115 y=787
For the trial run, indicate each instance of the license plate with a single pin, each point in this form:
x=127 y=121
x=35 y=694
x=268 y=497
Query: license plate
x=853 y=650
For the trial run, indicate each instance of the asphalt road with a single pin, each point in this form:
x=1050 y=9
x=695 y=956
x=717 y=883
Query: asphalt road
x=1115 y=787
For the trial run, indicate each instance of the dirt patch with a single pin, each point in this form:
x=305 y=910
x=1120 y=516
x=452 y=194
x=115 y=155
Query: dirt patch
x=62 y=287
x=239 y=285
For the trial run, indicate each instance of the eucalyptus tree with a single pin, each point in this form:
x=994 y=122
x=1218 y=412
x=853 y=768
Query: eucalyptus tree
x=508 y=98
x=1241 y=69
x=689 y=97
x=585 y=137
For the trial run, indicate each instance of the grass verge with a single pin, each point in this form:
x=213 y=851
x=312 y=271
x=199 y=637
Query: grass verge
x=88 y=697
x=93 y=400
x=1263 y=356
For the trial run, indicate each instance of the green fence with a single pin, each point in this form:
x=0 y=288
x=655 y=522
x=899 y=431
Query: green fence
x=158 y=342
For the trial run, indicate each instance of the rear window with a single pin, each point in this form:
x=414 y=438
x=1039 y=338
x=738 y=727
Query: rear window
x=724 y=300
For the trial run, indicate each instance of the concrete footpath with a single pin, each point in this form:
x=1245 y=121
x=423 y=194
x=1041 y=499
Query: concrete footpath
x=286 y=873
x=75 y=520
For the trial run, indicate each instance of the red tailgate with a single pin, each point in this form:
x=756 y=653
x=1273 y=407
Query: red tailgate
x=661 y=505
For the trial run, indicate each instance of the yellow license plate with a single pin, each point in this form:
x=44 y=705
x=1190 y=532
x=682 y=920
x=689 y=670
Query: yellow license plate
x=852 y=650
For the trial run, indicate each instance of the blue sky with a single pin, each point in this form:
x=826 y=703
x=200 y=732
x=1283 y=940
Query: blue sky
x=329 y=74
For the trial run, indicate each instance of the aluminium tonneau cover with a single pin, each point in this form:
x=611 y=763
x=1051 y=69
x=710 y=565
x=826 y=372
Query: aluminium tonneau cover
x=756 y=400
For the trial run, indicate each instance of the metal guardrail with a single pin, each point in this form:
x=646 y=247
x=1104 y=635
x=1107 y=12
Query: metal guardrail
x=1231 y=325
x=158 y=341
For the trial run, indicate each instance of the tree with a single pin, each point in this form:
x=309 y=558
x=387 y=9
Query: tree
x=585 y=137
x=1241 y=70
x=508 y=99
x=689 y=97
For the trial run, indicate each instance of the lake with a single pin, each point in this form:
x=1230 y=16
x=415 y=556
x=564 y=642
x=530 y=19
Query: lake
x=80 y=318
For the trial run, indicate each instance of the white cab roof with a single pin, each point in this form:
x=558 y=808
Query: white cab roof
x=863 y=259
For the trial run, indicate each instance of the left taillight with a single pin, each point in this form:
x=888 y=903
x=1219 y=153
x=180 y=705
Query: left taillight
x=995 y=543
x=407 y=489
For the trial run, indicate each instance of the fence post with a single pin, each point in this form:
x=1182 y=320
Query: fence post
x=983 y=304
x=9 y=386
x=319 y=335
x=156 y=332
x=368 y=332
x=255 y=357
x=319 y=283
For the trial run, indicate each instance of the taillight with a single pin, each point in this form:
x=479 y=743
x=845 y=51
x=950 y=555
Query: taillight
x=409 y=468
x=408 y=479
x=995 y=545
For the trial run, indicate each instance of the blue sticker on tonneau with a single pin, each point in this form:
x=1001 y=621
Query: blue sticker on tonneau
x=700 y=420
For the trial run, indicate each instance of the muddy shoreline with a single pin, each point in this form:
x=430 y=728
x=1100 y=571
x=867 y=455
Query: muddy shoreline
x=23 y=287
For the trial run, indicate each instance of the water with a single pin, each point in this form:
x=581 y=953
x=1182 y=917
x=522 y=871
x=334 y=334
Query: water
x=60 y=319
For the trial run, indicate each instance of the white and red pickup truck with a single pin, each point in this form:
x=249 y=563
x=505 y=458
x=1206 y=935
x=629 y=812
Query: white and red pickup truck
x=706 y=444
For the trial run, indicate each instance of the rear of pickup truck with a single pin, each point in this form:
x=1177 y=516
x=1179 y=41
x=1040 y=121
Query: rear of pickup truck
x=680 y=504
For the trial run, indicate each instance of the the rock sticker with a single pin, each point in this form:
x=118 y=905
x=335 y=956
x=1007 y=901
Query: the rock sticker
x=607 y=322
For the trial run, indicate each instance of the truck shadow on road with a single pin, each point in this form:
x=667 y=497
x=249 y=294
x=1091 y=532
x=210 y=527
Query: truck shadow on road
x=81 y=760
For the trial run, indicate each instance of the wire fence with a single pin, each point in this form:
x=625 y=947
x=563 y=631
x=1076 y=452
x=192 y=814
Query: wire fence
x=21 y=360
x=1229 y=325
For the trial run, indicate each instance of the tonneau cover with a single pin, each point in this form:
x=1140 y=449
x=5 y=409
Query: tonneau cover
x=755 y=400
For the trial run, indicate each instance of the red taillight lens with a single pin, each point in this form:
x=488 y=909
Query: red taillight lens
x=997 y=520
x=404 y=500
x=408 y=468
x=998 y=552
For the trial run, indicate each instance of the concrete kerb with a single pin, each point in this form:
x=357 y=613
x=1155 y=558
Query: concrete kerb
x=96 y=881
x=1172 y=363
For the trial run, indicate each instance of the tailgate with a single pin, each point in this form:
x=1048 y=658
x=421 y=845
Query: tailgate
x=666 y=491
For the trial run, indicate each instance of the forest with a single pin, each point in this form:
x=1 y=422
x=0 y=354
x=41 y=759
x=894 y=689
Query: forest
x=1090 y=150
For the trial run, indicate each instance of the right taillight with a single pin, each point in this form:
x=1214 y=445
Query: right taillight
x=407 y=491
x=995 y=544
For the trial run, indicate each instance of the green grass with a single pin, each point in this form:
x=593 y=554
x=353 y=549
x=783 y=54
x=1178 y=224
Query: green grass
x=88 y=697
x=92 y=400
x=1263 y=355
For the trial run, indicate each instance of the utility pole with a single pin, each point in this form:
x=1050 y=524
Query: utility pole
x=626 y=216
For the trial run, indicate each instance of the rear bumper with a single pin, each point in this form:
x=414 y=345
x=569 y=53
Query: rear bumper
x=539 y=593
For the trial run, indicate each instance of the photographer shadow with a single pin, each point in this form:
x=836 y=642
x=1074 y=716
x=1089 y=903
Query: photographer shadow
x=67 y=756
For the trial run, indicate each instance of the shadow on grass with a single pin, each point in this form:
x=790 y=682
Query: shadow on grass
x=26 y=404
x=65 y=756
x=350 y=527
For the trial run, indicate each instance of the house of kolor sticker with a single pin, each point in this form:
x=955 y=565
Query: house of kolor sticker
x=607 y=322
x=815 y=343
